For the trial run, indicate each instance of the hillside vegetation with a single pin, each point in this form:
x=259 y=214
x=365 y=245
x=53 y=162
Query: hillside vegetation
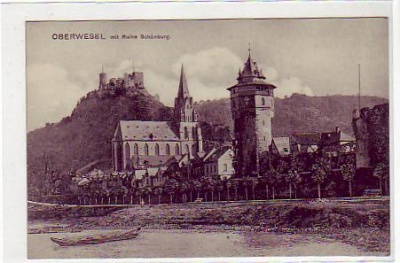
x=85 y=136
x=298 y=113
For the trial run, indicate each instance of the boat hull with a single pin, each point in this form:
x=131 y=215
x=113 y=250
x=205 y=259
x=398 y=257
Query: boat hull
x=94 y=240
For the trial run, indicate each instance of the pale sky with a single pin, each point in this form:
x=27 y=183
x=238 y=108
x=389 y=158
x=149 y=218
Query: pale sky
x=309 y=56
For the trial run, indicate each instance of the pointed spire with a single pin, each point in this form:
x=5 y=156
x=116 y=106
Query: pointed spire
x=102 y=68
x=183 y=90
x=248 y=66
x=133 y=65
x=250 y=70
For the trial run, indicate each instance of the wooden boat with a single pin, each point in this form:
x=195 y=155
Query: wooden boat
x=79 y=241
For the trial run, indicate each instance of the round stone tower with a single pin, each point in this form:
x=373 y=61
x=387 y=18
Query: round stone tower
x=252 y=106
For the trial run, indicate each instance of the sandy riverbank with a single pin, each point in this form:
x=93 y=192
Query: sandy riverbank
x=156 y=243
x=363 y=225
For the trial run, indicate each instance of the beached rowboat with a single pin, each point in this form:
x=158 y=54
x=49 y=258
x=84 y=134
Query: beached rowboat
x=86 y=240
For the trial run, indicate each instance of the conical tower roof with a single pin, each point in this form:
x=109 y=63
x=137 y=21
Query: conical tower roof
x=249 y=67
x=250 y=71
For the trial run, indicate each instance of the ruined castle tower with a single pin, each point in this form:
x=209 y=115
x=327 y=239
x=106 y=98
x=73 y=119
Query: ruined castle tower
x=371 y=129
x=102 y=79
x=252 y=106
x=185 y=117
x=131 y=81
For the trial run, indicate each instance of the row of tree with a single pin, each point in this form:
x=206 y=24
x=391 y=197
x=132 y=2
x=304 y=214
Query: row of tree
x=290 y=179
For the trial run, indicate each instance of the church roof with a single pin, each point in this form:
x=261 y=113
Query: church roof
x=147 y=131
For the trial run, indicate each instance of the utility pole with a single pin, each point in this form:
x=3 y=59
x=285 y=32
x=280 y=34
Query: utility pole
x=359 y=87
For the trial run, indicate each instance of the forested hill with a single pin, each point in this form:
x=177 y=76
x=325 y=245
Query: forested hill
x=298 y=113
x=85 y=136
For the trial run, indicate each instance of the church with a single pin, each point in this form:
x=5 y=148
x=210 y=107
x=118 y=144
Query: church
x=154 y=143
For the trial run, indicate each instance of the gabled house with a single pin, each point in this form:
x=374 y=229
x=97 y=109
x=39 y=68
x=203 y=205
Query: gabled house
x=304 y=142
x=336 y=142
x=218 y=163
x=280 y=146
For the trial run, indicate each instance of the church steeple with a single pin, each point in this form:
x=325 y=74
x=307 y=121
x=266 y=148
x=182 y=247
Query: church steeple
x=183 y=91
x=184 y=111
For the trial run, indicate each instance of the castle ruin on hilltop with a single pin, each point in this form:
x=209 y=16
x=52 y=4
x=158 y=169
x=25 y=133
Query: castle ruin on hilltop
x=129 y=81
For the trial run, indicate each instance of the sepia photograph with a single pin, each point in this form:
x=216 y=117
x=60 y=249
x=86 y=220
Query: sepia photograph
x=199 y=138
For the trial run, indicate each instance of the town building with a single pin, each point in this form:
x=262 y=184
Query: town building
x=141 y=144
x=304 y=143
x=280 y=146
x=252 y=106
x=218 y=163
x=329 y=144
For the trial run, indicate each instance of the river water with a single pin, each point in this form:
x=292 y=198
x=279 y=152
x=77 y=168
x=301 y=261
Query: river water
x=152 y=243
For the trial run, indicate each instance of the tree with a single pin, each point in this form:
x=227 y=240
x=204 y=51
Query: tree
x=273 y=178
x=320 y=169
x=228 y=186
x=158 y=190
x=381 y=171
x=209 y=185
x=131 y=193
x=184 y=189
x=235 y=185
x=292 y=178
x=318 y=177
x=265 y=181
x=246 y=182
x=147 y=191
x=348 y=172
x=220 y=188
x=190 y=187
x=139 y=192
x=172 y=187
x=254 y=183
x=198 y=186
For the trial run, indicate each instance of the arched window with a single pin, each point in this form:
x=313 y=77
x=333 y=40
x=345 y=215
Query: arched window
x=186 y=136
x=146 y=149
x=233 y=104
x=167 y=150
x=136 y=149
x=177 y=149
x=127 y=156
x=194 y=133
x=187 y=149
x=127 y=150
x=246 y=100
x=157 y=149
x=262 y=101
